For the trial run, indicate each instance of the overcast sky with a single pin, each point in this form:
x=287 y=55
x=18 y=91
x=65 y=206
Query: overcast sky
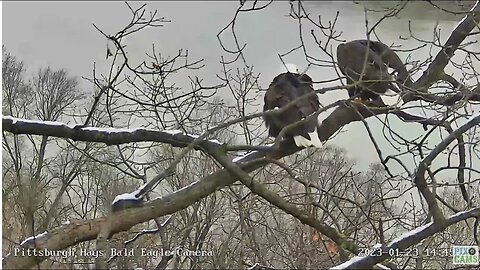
x=61 y=35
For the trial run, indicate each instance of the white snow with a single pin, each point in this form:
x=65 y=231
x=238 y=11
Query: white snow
x=355 y=259
x=173 y=132
x=176 y=131
x=381 y=266
x=460 y=213
x=215 y=141
x=52 y=123
x=253 y=266
x=193 y=135
x=348 y=263
x=410 y=233
x=66 y=222
x=185 y=187
x=242 y=157
x=110 y=129
x=33 y=237
x=212 y=140
x=126 y=197
x=132 y=196
x=238 y=158
x=166 y=221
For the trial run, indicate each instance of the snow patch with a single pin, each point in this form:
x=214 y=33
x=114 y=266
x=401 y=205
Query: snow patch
x=51 y=123
x=242 y=157
x=173 y=132
x=185 y=187
x=215 y=141
x=410 y=233
x=125 y=197
x=381 y=266
x=109 y=129
x=132 y=196
x=355 y=259
x=33 y=237
x=348 y=263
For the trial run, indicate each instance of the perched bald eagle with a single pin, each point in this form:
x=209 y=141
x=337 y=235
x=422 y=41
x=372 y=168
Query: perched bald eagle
x=285 y=88
x=379 y=58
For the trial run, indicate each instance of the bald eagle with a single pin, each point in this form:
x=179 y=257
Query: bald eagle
x=285 y=88
x=379 y=58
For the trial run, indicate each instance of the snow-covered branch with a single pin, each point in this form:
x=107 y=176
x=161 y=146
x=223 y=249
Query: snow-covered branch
x=109 y=136
x=406 y=240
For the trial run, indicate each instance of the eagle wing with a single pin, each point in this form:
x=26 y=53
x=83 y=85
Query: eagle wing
x=356 y=60
x=391 y=60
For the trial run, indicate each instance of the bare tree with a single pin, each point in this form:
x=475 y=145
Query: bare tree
x=203 y=178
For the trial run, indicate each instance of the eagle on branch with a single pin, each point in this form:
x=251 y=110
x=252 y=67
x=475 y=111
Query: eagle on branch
x=288 y=89
x=366 y=63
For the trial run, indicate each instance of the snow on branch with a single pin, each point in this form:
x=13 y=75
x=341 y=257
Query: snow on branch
x=406 y=240
x=109 y=136
x=28 y=241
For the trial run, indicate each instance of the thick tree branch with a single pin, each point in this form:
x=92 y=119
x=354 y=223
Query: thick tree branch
x=109 y=136
x=435 y=69
x=86 y=230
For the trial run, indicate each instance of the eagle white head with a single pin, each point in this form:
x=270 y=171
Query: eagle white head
x=288 y=67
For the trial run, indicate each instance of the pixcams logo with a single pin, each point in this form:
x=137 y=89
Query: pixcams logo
x=465 y=255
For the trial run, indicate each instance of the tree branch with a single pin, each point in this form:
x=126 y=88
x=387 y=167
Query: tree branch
x=407 y=240
x=425 y=163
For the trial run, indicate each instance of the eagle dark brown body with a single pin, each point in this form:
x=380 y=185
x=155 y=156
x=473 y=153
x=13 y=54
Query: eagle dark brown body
x=285 y=88
x=373 y=58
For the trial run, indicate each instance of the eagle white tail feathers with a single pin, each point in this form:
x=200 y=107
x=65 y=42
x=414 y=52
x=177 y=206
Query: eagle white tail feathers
x=314 y=141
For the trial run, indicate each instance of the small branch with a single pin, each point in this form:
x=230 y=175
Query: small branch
x=277 y=200
x=419 y=179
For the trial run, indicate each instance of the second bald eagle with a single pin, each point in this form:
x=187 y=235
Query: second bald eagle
x=368 y=60
x=284 y=89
